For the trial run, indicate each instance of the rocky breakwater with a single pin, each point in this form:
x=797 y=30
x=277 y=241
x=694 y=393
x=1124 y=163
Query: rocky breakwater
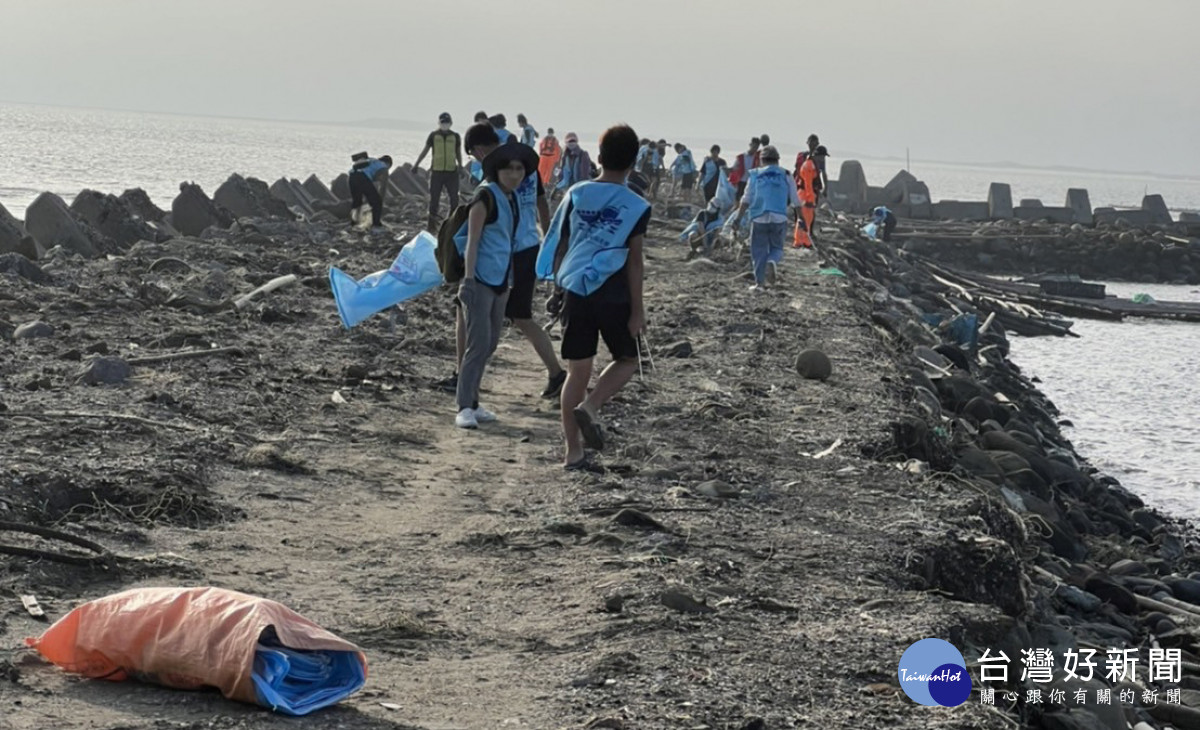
x=1116 y=252
x=1073 y=560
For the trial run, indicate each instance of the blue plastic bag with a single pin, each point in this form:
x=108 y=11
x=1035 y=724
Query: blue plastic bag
x=871 y=230
x=299 y=682
x=414 y=272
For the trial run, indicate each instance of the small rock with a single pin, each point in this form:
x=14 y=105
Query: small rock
x=1106 y=589
x=97 y=348
x=681 y=349
x=814 y=365
x=33 y=330
x=105 y=371
x=717 y=489
x=614 y=603
x=677 y=600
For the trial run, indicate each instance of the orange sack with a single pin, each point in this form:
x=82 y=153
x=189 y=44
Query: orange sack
x=185 y=638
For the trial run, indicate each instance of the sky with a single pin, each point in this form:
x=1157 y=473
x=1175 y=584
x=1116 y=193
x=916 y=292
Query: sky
x=1088 y=83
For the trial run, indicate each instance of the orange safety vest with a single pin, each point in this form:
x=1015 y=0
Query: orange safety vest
x=549 y=147
x=806 y=177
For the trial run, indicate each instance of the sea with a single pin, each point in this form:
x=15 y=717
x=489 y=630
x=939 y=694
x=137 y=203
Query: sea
x=1128 y=388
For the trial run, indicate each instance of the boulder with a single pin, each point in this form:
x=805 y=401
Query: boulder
x=1000 y=205
x=852 y=182
x=112 y=218
x=49 y=221
x=1080 y=205
x=192 y=211
x=341 y=186
x=249 y=198
x=33 y=331
x=139 y=203
x=15 y=239
x=317 y=190
x=814 y=365
x=1156 y=207
x=18 y=265
x=105 y=371
x=282 y=190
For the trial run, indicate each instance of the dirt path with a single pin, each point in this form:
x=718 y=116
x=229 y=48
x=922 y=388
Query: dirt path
x=488 y=588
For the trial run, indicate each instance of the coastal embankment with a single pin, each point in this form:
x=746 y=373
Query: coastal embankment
x=765 y=541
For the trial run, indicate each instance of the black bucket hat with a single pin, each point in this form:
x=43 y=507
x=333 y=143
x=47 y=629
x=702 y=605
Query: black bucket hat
x=506 y=153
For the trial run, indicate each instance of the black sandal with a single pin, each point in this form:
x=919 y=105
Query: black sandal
x=584 y=464
x=589 y=429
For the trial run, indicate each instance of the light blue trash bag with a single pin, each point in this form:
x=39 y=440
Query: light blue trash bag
x=414 y=272
x=871 y=230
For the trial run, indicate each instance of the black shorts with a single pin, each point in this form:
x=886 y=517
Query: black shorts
x=585 y=321
x=689 y=181
x=520 y=301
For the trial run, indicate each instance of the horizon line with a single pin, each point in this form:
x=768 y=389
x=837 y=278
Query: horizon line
x=411 y=125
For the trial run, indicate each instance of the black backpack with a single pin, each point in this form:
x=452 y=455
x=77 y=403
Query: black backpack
x=450 y=261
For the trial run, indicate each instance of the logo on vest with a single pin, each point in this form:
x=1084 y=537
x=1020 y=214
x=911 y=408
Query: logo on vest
x=607 y=219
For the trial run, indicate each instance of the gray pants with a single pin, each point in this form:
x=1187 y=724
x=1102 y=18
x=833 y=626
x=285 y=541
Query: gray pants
x=483 y=315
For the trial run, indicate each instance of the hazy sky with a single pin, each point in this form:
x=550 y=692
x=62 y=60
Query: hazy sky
x=1093 y=83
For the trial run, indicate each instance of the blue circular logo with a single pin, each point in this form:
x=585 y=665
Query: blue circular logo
x=932 y=672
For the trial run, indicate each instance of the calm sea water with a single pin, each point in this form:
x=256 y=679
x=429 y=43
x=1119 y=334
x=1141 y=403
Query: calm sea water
x=1132 y=414
x=1130 y=389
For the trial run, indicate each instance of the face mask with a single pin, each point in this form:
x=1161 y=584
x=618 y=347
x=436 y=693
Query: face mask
x=573 y=144
x=444 y=126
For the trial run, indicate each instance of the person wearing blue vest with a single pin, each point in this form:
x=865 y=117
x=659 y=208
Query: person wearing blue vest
x=683 y=170
x=593 y=251
x=885 y=222
x=500 y=123
x=486 y=244
x=710 y=172
x=531 y=199
x=362 y=185
x=770 y=194
x=529 y=135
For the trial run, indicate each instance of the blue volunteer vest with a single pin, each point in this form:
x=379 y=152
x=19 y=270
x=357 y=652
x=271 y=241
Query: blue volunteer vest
x=771 y=193
x=371 y=168
x=709 y=170
x=495 y=242
x=527 y=230
x=881 y=214
x=687 y=165
x=504 y=135
x=602 y=217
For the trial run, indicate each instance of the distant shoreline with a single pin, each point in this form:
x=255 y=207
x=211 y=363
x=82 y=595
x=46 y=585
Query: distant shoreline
x=412 y=126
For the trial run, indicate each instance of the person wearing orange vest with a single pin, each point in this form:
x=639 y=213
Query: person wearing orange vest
x=550 y=151
x=807 y=177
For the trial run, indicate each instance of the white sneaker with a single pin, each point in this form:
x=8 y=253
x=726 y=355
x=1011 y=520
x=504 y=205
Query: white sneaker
x=483 y=415
x=772 y=272
x=466 y=419
x=757 y=289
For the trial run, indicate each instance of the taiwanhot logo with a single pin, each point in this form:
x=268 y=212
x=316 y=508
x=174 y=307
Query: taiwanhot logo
x=933 y=673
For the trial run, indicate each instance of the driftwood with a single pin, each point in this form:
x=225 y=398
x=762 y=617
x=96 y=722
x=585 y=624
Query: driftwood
x=114 y=416
x=102 y=555
x=270 y=286
x=185 y=355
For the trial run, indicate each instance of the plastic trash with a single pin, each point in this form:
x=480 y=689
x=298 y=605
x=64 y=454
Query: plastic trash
x=414 y=272
x=1142 y=298
x=251 y=649
x=871 y=230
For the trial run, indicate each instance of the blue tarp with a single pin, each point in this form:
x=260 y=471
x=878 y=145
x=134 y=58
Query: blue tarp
x=299 y=682
x=414 y=272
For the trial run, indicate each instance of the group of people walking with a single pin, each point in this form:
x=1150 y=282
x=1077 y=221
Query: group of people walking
x=591 y=248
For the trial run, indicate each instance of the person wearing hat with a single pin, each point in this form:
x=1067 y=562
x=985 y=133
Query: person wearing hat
x=485 y=242
x=363 y=176
x=575 y=165
x=770 y=194
x=446 y=146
